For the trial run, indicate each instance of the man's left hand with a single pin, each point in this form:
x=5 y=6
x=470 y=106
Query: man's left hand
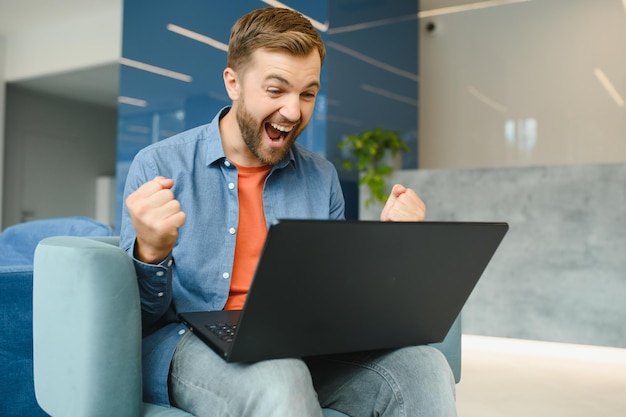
x=403 y=205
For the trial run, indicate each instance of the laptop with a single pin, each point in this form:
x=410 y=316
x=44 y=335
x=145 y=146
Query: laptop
x=326 y=287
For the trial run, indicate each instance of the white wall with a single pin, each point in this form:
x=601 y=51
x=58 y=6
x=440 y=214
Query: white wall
x=514 y=85
x=55 y=149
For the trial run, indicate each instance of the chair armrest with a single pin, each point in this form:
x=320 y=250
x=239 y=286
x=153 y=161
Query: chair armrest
x=86 y=328
x=451 y=348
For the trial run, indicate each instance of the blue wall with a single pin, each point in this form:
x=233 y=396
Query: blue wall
x=362 y=64
x=372 y=68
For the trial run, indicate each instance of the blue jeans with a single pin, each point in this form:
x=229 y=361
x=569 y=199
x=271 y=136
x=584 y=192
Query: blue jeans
x=413 y=381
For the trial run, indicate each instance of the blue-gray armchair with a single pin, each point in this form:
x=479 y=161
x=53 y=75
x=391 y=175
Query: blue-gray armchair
x=17 y=249
x=87 y=336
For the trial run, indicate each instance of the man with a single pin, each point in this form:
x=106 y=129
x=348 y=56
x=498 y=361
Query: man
x=198 y=206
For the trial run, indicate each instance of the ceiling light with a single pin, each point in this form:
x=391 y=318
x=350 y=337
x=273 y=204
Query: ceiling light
x=609 y=87
x=467 y=7
x=488 y=101
x=344 y=120
x=132 y=101
x=155 y=70
x=372 y=61
x=388 y=94
x=373 y=24
x=197 y=37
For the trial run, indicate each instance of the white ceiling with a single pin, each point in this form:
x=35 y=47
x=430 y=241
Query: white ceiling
x=24 y=15
x=97 y=85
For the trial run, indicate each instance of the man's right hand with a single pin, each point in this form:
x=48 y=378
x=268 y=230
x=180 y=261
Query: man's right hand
x=156 y=216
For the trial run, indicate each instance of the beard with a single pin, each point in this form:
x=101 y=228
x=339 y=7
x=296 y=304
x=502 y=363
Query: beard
x=252 y=132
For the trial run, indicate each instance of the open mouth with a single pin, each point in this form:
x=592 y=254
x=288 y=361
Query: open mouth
x=276 y=132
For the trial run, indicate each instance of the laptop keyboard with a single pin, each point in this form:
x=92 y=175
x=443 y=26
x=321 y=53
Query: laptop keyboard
x=224 y=331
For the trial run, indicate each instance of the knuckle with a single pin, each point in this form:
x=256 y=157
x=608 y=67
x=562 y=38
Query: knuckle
x=175 y=204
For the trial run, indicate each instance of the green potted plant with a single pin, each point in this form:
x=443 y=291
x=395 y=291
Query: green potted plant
x=374 y=151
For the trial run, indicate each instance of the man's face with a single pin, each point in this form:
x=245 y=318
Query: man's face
x=276 y=101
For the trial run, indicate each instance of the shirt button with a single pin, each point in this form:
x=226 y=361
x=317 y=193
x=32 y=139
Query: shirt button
x=227 y=163
x=170 y=262
x=160 y=273
x=231 y=186
x=225 y=275
x=160 y=294
x=181 y=332
x=232 y=230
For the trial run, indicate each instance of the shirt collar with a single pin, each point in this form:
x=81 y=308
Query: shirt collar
x=215 y=150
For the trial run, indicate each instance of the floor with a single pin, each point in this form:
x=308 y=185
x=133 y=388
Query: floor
x=508 y=377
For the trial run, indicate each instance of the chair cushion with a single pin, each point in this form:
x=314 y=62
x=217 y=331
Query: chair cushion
x=327 y=412
x=151 y=410
x=18 y=242
x=16 y=343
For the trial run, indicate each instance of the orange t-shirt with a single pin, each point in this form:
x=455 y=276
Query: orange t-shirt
x=251 y=232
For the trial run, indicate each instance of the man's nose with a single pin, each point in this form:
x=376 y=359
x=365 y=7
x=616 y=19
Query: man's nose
x=290 y=109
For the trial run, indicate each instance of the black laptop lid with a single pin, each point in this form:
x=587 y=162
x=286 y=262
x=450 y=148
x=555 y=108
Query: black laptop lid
x=339 y=286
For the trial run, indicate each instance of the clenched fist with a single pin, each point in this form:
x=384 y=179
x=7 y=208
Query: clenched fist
x=403 y=205
x=156 y=216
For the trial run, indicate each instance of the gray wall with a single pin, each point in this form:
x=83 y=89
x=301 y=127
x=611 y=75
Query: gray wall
x=560 y=273
x=54 y=150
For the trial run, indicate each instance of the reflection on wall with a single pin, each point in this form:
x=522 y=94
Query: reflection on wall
x=528 y=83
x=173 y=57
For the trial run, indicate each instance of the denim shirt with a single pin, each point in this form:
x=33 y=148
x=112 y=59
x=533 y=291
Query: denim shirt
x=196 y=275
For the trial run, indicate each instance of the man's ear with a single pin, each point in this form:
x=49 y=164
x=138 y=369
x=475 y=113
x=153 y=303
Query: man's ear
x=231 y=82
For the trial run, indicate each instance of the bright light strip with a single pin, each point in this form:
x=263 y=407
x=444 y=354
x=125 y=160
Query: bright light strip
x=372 y=61
x=343 y=120
x=624 y=1
x=144 y=130
x=542 y=349
x=373 y=24
x=609 y=87
x=489 y=102
x=322 y=27
x=467 y=7
x=197 y=37
x=389 y=95
x=132 y=101
x=155 y=70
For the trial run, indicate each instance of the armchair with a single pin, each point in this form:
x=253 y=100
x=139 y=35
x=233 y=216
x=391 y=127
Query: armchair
x=87 y=335
x=17 y=248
